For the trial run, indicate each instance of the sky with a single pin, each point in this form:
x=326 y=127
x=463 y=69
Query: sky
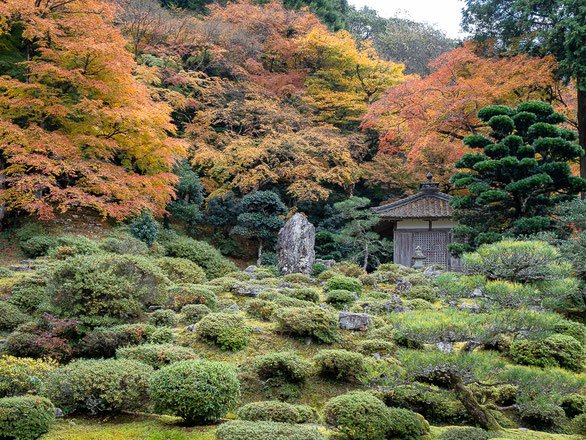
x=444 y=14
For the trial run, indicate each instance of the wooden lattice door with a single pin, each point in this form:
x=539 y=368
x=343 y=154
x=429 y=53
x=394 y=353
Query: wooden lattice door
x=434 y=245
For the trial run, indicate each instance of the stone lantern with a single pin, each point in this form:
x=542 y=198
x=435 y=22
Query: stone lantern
x=418 y=258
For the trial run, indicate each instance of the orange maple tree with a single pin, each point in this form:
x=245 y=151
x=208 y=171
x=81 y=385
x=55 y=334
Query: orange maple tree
x=76 y=127
x=424 y=120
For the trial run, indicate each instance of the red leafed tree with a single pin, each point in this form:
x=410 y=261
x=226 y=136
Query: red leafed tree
x=424 y=120
x=76 y=127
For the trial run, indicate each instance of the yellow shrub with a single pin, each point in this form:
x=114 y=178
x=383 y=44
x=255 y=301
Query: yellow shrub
x=23 y=375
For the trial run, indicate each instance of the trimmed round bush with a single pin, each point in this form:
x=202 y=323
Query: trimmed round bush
x=341 y=282
x=201 y=253
x=380 y=346
x=340 y=298
x=554 y=351
x=317 y=269
x=284 y=367
x=79 y=245
x=418 y=304
x=467 y=433
x=38 y=246
x=340 y=364
x=225 y=330
x=309 y=321
x=29 y=292
x=271 y=411
x=574 y=404
x=163 y=318
x=5 y=272
x=405 y=424
x=578 y=425
x=358 y=416
x=25 y=417
x=260 y=308
x=420 y=292
x=297 y=278
x=156 y=355
x=106 y=285
x=182 y=294
x=103 y=341
x=97 y=385
x=161 y=335
x=10 y=316
x=304 y=293
x=245 y=430
x=181 y=270
x=200 y=391
x=124 y=245
x=23 y=375
x=193 y=313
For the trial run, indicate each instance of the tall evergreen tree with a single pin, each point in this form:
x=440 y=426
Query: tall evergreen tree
x=518 y=178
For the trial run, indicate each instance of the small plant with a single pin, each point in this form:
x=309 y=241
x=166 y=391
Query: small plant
x=38 y=246
x=272 y=411
x=145 y=228
x=26 y=417
x=309 y=321
x=10 y=316
x=579 y=425
x=183 y=294
x=227 y=331
x=341 y=282
x=466 y=434
x=199 y=391
x=340 y=298
x=156 y=355
x=163 y=318
x=317 y=269
x=281 y=367
x=245 y=430
x=193 y=313
x=380 y=346
x=181 y=270
x=99 y=385
x=341 y=364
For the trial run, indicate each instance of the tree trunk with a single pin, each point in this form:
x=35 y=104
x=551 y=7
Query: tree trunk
x=476 y=411
x=259 y=261
x=582 y=127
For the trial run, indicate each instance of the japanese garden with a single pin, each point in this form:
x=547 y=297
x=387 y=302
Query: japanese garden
x=292 y=220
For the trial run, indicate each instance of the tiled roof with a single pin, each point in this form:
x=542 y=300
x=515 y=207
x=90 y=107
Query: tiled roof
x=429 y=203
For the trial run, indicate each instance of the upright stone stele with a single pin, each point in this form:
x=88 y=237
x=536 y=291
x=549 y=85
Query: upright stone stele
x=295 y=246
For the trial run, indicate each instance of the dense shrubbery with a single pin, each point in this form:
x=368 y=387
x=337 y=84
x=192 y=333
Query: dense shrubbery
x=156 y=355
x=466 y=434
x=163 y=318
x=10 y=316
x=308 y=321
x=201 y=253
x=29 y=292
x=124 y=245
x=192 y=313
x=145 y=228
x=306 y=294
x=554 y=351
x=276 y=411
x=579 y=425
x=103 y=341
x=574 y=404
x=106 y=285
x=340 y=298
x=227 y=331
x=199 y=391
x=181 y=270
x=20 y=376
x=26 y=417
x=100 y=385
x=341 y=364
x=283 y=367
x=244 y=430
x=183 y=294
x=341 y=282
x=380 y=346
x=38 y=246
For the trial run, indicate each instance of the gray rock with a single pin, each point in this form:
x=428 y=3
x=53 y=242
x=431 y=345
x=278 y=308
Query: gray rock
x=403 y=285
x=470 y=308
x=258 y=329
x=284 y=286
x=445 y=347
x=393 y=302
x=354 y=321
x=476 y=292
x=248 y=289
x=59 y=412
x=190 y=329
x=308 y=340
x=295 y=246
x=234 y=307
x=432 y=272
x=151 y=309
x=326 y=263
x=249 y=269
x=402 y=309
x=376 y=356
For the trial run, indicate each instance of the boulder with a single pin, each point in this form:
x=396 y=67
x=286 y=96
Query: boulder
x=326 y=263
x=295 y=246
x=248 y=289
x=432 y=271
x=354 y=321
x=403 y=285
x=250 y=269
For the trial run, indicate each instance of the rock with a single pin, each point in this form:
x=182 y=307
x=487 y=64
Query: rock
x=376 y=356
x=470 y=308
x=402 y=309
x=248 y=289
x=326 y=263
x=295 y=246
x=354 y=321
x=453 y=304
x=250 y=269
x=151 y=309
x=59 y=412
x=258 y=329
x=308 y=340
x=445 y=347
x=403 y=285
x=393 y=302
x=432 y=272
x=284 y=286
x=234 y=307
x=476 y=292
x=190 y=329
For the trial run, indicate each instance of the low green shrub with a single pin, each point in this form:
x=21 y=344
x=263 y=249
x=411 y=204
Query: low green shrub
x=578 y=425
x=103 y=341
x=281 y=367
x=244 y=430
x=308 y=321
x=554 y=351
x=260 y=308
x=572 y=328
x=340 y=364
x=297 y=278
x=156 y=355
x=181 y=270
x=317 y=269
x=305 y=293
x=38 y=246
x=20 y=376
x=200 y=391
x=340 y=298
x=573 y=404
x=100 y=385
x=10 y=316
x=369 y=347
x=406 y=424
x=5 y=272
x=125 y=244
x=284 y=300
x=418 y=304
x=145 y=228
x=26 y=417
x=161 y=335
x=29 y=292
x=193 y=313
x=421 y=292
x=163 y=318
x=270 y=410
x=357 y=416
x=106 y=285
x=543 y=416
x=226 y=331
x=182 y=294
x=80 y=245
x=307 y=414
x=201 y=253
x=467 y=433
x=341 y=282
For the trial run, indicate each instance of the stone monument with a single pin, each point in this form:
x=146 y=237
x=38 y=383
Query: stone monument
x=295 y=246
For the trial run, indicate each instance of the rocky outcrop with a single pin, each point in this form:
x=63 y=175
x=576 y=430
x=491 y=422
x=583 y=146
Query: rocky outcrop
x=354 y=321
x=295 y=246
